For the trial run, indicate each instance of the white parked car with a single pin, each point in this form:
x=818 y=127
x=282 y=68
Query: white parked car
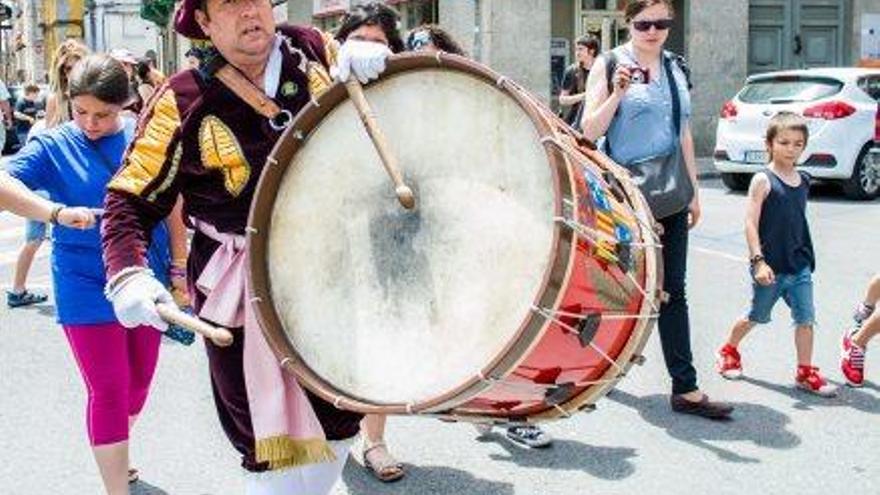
x=843 y=114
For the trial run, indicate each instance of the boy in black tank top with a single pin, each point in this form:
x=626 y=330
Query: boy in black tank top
x=780 y=253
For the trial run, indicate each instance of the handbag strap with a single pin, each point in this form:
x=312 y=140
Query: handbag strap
x=676 y=98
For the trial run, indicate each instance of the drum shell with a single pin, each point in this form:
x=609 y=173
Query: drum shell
x=533 y=364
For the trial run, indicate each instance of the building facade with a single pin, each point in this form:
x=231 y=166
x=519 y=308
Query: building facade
x=724 y=40
x=113 y=24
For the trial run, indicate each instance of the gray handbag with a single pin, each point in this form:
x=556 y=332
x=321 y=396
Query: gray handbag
x=664 y=179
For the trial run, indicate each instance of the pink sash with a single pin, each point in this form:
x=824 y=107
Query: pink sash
x=286 y=430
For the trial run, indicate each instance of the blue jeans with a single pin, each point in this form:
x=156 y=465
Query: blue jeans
x=34 y=230
x=795 y=289
x=674 y=324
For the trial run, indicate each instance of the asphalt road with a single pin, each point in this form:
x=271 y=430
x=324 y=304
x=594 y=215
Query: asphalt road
x=780 y=441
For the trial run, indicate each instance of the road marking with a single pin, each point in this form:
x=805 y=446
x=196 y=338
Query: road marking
x=721 y=254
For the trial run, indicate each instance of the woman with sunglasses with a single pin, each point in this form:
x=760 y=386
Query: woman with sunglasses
x=633 y=101
x=432 y=38
x=374 y=22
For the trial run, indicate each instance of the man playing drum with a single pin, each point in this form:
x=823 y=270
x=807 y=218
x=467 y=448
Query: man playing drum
x=206 y=136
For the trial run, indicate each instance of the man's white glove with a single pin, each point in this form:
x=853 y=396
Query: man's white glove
x=134 y=294
x=364 y=59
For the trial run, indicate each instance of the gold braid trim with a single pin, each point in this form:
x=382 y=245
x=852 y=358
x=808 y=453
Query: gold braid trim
x=144 y=162
x=284 y=452
x=331 y=47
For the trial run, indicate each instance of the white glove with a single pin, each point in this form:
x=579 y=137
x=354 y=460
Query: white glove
x=135 y=297
x=364 y=59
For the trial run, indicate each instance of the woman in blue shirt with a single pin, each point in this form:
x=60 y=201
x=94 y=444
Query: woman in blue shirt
x=73 y=163
x=636 y=117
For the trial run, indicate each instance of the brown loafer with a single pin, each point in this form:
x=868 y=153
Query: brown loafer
x=704 y=407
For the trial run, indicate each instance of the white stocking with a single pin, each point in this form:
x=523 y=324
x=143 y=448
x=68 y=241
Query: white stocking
x=312 y=479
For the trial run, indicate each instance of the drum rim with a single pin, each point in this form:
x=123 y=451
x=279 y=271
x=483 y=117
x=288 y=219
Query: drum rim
x=548 y=295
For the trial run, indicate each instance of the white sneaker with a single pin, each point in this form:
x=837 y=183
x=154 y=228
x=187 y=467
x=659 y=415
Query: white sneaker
x=530 y=436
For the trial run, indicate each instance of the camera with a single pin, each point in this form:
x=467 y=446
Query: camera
x=639 y=75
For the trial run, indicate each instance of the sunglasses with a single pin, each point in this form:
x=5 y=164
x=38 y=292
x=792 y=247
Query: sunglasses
x=659 y=25
x=419 y=40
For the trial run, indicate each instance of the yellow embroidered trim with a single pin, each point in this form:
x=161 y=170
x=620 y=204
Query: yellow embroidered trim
x=331 y=47
x=319 y=79
x=221 y=151
x=284 y=452
x=144 y=163
x=172 y=173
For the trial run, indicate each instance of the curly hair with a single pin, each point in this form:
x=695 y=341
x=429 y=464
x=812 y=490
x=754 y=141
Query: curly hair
x=440 y=38
x=373 y=14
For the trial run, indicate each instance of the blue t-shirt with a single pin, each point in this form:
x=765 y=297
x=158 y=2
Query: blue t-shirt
x=64 y=163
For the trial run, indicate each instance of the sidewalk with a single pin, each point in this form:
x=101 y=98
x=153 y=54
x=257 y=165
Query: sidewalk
x=706 y=168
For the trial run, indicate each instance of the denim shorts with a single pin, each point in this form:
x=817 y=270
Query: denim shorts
x=34 y=231
x=795 y=289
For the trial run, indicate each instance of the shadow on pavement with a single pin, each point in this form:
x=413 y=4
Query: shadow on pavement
x=144 y=488
x=846 y=396
x=608 y=463
x=420 y=480
x=47 y=310
x=753 y=423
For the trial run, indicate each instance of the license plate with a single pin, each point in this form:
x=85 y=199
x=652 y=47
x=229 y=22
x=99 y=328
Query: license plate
x=757 y=157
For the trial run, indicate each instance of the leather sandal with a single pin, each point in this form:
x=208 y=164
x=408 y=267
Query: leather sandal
x=380 y=462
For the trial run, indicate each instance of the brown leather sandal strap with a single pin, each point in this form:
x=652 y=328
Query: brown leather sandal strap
x=247 y=91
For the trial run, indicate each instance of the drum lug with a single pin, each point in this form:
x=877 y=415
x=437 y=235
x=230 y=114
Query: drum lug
x=624 y=257
x=638 y=359
x=559 y=394
x=587 y=408
x=587 y=328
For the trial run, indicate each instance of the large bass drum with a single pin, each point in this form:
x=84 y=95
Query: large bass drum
x=522 y=286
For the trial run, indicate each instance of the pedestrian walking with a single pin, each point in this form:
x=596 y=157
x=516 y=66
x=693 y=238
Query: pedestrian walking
x=781 y=257
x=6 y=115
x=202 y=140
x=638 y=98
x=375 y=22
x=73 y=163
x=65 y=57
x=574 y=80
x=866 y=325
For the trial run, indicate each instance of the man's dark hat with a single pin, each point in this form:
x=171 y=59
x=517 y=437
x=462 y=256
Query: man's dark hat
x=185 y=20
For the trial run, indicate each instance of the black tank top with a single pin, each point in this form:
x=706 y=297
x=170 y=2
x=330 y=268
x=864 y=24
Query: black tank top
x=785 y=235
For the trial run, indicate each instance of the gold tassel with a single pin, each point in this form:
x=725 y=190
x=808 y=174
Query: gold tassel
x=284 y=452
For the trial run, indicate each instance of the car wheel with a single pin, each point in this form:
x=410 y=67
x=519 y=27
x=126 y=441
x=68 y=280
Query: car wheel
x=736 y=182
x=865 y=180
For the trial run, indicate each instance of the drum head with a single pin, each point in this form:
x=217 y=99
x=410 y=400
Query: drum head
x=393 y=306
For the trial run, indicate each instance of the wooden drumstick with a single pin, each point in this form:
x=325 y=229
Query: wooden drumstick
x=172 y=314
x=365 y=112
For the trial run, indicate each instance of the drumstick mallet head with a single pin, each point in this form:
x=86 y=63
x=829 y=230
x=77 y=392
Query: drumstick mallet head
x=405 y=196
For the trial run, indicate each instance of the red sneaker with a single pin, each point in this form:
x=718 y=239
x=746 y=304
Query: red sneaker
x=729 y=363
x=852 y=362
x=809 y=379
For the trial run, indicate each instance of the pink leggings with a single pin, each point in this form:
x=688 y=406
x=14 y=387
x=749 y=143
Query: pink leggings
x=117 y=365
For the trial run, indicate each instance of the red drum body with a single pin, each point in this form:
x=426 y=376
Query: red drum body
x=522 y=287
